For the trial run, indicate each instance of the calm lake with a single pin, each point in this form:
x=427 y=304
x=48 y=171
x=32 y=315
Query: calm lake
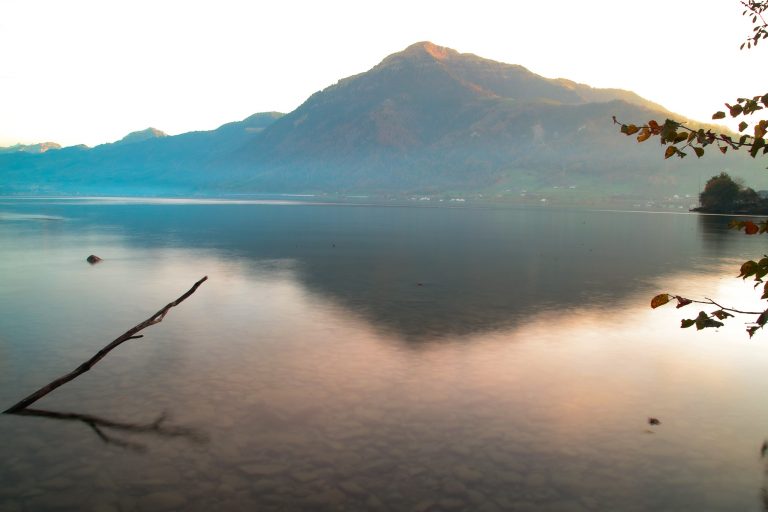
x=377 y=358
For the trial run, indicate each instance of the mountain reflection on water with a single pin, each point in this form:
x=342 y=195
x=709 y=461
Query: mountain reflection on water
x=428 y=273
x=376 y=358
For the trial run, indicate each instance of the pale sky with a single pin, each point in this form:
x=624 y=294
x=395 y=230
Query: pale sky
x=91 y=71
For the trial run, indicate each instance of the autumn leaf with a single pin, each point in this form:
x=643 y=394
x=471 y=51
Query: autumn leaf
x=750 y=228
x=748 y=268
x=703 y=322
x=660 y=300
x=760 y=129
x=669 y=130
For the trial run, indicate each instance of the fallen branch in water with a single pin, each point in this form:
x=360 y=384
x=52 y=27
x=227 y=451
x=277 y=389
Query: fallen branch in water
x=130 y=334
x=100 y=426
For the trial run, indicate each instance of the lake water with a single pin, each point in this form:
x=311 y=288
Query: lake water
x=355 y=358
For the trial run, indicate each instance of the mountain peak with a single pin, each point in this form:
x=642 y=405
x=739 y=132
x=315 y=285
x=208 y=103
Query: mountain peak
x=430 y=49
x=421 y=52
x=142 y=135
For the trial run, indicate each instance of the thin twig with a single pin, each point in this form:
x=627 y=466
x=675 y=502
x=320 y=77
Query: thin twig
x=710 y=302
x=128 y=335
x=732 y=309
x=99 y=425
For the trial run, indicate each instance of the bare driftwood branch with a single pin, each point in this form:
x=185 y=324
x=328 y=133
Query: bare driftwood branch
x=128 y=335
x=100 y=426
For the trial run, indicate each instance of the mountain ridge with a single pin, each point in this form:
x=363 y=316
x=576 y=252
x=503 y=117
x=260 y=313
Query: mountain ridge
x=40 y=147
x=425 y=119
x=142 y=135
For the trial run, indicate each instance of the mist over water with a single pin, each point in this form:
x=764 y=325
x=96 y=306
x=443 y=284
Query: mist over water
x=377 y=358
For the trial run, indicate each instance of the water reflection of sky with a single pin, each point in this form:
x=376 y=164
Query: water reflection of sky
x=315 y=399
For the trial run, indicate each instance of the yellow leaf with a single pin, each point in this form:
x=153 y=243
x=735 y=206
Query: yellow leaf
x=671 y=150
x=760 y=130
x=660 y=300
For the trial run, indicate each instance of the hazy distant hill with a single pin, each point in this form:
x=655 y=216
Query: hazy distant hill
x=158 y=164
x=142 y=135
x=427 y=119
x=30 y=148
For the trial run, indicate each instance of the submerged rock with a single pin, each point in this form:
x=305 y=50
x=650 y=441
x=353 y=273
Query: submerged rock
x=423 y=506
x=451 y=503
x=162 y=501
x=352 y=488
x=261 y=470
x=467 y=474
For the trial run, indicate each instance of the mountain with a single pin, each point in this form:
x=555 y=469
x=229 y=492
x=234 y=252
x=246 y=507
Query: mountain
x=427 y=119
x=142 y=135
x=30 y=148
x=158 y=165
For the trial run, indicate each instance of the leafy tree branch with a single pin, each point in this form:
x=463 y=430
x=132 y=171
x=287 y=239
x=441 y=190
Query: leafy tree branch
x=755 y=11
x=757 y=270
x=677 y=138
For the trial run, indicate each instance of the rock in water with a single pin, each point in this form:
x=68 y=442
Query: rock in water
x=93 y=259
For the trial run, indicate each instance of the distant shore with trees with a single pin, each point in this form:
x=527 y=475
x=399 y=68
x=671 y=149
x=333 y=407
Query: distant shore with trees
x=723 y=194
